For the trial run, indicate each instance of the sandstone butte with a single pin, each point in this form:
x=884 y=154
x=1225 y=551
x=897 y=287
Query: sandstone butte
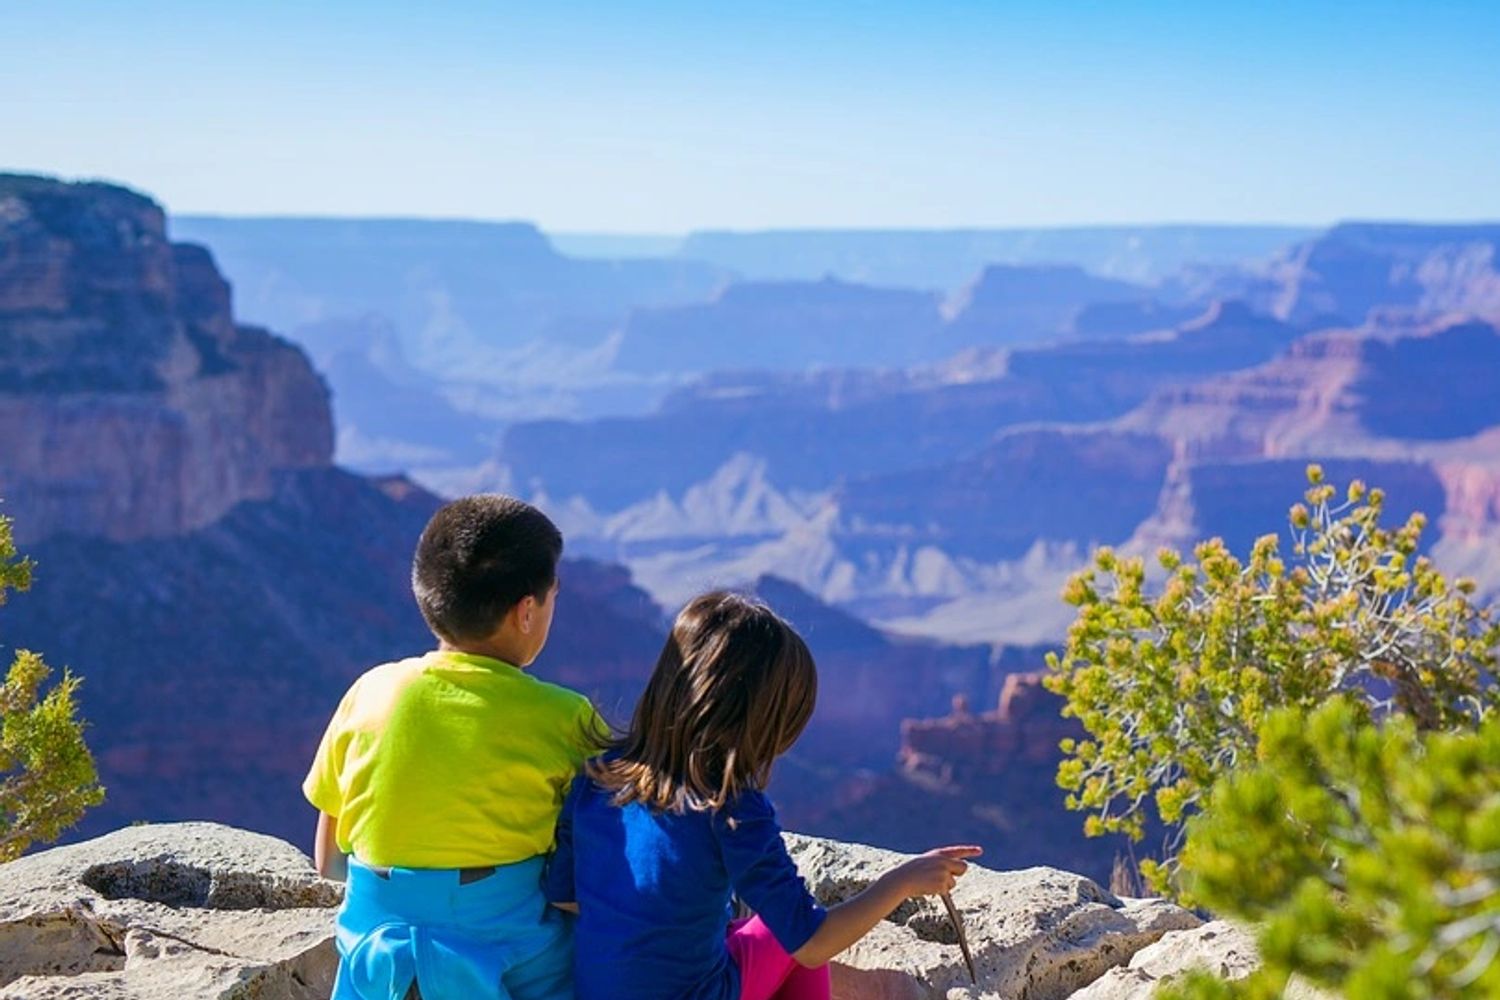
x=122 y=369
x=200 y=910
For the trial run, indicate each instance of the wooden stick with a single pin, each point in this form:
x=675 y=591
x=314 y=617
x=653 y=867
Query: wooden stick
x=963 y=941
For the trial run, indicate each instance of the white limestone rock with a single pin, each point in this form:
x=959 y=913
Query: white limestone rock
x=166 y=912
x=1036 y=934
x=1218 y=947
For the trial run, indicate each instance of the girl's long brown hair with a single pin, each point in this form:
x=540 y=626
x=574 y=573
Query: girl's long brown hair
x=733 y=689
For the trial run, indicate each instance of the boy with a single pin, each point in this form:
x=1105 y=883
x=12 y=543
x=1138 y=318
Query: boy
x=439 y=779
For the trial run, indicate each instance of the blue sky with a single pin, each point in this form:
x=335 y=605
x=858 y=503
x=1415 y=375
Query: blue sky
x=664 y=117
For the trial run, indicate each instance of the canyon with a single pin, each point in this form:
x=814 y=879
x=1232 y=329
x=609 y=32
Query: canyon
x=217 y=580
x=908 y=470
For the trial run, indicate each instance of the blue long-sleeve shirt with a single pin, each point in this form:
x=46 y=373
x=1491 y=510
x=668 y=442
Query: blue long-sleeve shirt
x=653 y=891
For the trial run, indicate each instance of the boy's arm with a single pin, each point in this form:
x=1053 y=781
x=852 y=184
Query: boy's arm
x=327 y=858
x=557 y=876
x=592 y=737
x=322 y=789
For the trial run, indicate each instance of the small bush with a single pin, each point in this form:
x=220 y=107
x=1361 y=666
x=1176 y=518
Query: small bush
x=1369 y=854
x=47 y=775
x=1172 y=688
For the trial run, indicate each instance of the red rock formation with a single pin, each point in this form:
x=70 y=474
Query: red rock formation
x=1472 y=489
x=1347 y=392
x=1409 y=407
x=987 y=779
x=1022 y=732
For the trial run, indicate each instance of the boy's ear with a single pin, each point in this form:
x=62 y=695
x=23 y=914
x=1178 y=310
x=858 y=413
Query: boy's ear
x=525 y=609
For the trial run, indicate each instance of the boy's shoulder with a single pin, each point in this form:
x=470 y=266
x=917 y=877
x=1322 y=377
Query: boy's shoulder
x=384 y=676
x=381 y=685
x=376 y=689
x=559 y=693
x=564 y=700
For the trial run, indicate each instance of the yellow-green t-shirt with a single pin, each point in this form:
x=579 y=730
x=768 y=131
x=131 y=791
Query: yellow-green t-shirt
x=449 y=760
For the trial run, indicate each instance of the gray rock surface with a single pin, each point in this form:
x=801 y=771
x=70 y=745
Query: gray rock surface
x=199 y=910
x=1036 y=934
x=1219 y=947
x=167 y=911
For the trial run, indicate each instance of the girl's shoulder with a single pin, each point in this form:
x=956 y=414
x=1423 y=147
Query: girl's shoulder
x=750 y=807
x=586 y=790
x=581 y=789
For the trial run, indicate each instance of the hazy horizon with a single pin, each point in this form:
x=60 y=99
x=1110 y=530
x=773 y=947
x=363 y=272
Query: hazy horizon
x=871 y=229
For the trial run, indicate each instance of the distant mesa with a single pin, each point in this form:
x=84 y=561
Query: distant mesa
x=1100 y=320
x=784 y=326
x=946 y=259
x=455 y=291
x=1010 y=304
x=794 y=326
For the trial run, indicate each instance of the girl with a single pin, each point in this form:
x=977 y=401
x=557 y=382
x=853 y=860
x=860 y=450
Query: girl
x=658 y=833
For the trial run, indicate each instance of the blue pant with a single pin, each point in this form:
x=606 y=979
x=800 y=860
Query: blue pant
x=491 y=939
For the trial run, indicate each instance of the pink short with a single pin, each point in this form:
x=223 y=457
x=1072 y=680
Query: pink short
x=767 y=972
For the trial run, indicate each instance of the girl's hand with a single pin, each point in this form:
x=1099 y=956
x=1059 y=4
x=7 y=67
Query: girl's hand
x=933 y=872
x=937 y=871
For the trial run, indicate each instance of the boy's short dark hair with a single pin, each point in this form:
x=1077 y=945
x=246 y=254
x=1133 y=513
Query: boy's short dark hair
x=477 y=558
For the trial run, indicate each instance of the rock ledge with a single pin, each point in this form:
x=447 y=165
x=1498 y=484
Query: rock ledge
x=202 y=910
x=169 y=911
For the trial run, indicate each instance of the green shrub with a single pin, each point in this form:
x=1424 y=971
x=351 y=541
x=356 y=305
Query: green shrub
x=47 y=776
x=1172 y=688
x=1368 y=854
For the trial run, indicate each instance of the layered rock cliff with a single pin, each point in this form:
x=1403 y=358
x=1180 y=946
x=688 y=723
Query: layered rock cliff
x=131 y=404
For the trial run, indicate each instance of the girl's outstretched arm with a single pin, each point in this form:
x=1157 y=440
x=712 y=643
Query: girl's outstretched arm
x=926 y=875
